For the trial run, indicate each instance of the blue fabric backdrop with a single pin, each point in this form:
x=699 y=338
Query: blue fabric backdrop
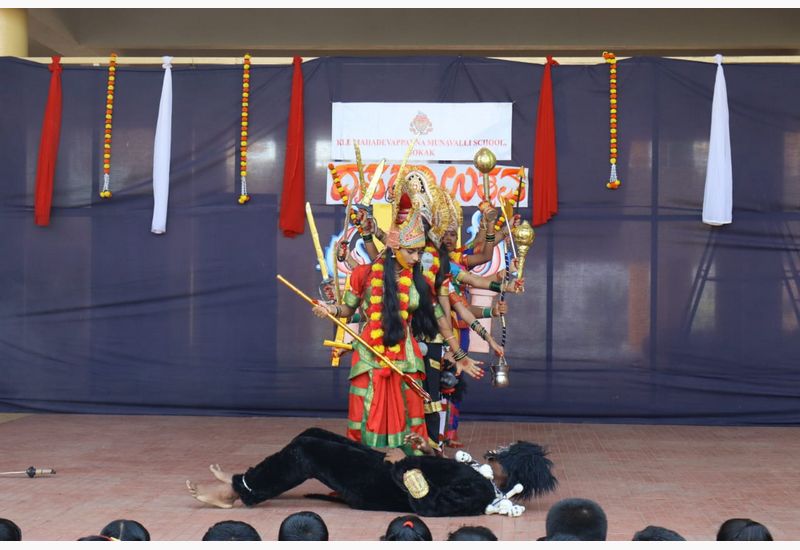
x=635 y=310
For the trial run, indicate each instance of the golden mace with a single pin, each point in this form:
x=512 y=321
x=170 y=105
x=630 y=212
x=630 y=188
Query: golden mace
x=410 y=382
x=523 y=236
x=485 y=161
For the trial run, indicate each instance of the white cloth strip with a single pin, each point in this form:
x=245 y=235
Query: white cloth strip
x=161 y=152
x=718 y=195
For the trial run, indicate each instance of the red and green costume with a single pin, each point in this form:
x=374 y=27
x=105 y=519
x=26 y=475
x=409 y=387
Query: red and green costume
x=382 y=409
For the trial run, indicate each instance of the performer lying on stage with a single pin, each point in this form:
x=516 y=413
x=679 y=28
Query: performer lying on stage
x=368 y=479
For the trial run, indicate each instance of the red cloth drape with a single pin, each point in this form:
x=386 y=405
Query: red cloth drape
x=48 y=147
x=292 y=216
x=545 y=173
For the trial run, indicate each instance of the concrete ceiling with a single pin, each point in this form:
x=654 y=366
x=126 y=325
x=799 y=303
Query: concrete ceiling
x=487 y=32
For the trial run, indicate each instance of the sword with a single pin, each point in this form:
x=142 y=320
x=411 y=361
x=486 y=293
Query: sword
x=366 y=200
x=508 y=227
x=390 y=193
x=362 y=180
x=323 y=266
x=339 y=337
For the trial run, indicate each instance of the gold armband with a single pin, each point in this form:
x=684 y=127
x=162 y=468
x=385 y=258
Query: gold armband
x=416 y=483
x=433 y=407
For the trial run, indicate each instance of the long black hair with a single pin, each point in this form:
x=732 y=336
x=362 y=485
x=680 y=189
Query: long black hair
x=526 y=463
x=424 y=319
x=444 y=267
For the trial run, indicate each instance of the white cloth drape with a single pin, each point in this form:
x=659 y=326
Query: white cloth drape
x=161 y=152
x=718 y=197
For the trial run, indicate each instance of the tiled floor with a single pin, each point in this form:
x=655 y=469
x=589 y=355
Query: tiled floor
x=686 y=478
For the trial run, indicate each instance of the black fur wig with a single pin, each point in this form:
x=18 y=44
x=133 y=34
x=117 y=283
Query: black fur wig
x=525 y=463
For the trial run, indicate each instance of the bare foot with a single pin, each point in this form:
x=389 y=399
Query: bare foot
x=220 y=495
x=220 y=474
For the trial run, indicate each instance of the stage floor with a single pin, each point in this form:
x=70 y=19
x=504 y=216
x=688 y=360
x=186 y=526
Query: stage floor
x=686 y=478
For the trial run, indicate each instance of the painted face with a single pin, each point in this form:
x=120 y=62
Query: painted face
x=409 y=257
x=450 y=240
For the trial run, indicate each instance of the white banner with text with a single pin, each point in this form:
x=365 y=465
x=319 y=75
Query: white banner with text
x=444 y=131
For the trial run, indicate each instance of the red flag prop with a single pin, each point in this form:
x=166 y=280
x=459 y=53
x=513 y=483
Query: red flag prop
x=292 y=215
x=48 y=147
x=545 y=172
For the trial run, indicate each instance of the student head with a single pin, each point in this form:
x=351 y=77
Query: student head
x=654 y=532
x=580 y=517
x=9 y=530
x=231 y=530
x=743 y=529
x=303 y=526
x=472 y=532
x=407 y=528
x=125 y=529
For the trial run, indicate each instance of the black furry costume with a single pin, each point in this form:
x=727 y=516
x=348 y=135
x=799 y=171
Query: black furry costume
x=364 y=481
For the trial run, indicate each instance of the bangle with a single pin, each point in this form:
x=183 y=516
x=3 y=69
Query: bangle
x=367 y=238
x=495 y=286
x=487 y=312
x=459 y=354
x=479 y=329
x=336 y=313
x=451 y=336
x=490 y=238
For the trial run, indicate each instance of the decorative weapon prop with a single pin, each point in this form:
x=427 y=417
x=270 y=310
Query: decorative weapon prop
x=31 y=472
x=400 y=172
x=485 y=161
x=323 y=267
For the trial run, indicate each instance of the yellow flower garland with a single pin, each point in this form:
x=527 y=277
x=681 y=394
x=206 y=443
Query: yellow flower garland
x=105 y=192
x=244 y=197
x=374 y=328
x=613 y=179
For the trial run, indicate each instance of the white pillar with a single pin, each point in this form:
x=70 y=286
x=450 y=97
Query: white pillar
x=14 y=32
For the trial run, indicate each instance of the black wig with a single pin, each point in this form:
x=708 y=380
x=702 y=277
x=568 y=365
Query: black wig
x=526 y=463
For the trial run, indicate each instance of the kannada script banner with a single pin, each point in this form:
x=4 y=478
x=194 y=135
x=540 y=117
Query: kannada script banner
x=444 y=131
x=462 y=181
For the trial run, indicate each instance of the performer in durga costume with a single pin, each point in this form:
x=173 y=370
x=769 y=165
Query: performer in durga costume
x=368 y=479
x=398 y=296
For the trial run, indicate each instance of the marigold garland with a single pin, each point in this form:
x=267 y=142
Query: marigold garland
x=343 y=193
x=430 y=273
x=373 y=331
x=244 y=197
x=501 y=219
x=337 y=184
x=105 y=191
x=613 y=180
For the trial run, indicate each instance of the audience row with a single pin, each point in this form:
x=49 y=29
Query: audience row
x=570 y=519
